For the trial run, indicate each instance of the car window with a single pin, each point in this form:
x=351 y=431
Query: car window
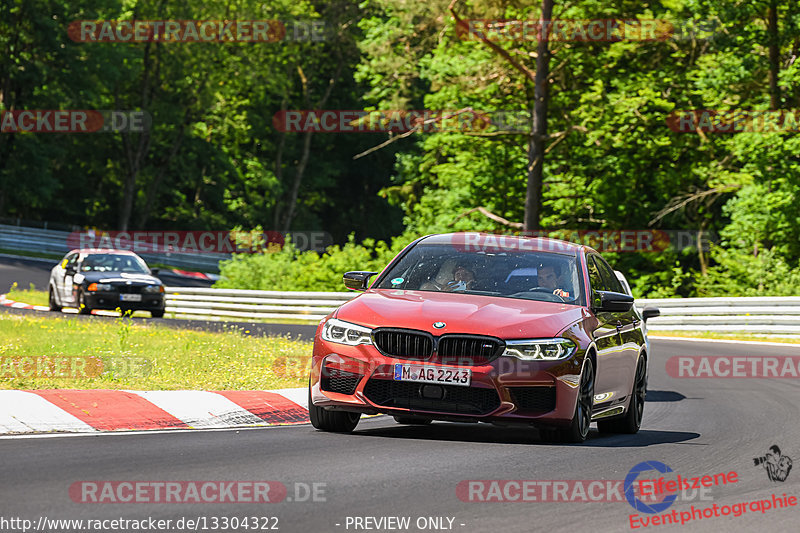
x=70 y=260
x=595 y=279
x=529 y=275
x=609 y=279
x=113 y=263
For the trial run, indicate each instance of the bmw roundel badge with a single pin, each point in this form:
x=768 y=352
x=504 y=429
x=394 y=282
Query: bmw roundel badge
x=439 y=325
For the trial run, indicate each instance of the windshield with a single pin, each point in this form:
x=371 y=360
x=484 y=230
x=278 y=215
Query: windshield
x=114 y=263
x=543 y=276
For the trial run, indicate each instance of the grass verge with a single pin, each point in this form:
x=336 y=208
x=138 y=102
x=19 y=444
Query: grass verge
x=29 y=296
x=60 y=352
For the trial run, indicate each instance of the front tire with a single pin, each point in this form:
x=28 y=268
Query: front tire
x=631 y=421
x=578 y=428
x=51 y=300
x=82 y=307
x=333 y=421
x=157 y=314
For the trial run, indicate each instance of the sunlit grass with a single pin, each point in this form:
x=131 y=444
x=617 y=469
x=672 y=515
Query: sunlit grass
x=146 y=357
x=30 y=295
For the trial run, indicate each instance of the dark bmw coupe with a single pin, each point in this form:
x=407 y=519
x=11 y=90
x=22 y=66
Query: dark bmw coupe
x=485 y=328
x=105 y=279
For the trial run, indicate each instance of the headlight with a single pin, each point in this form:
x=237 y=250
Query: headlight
x=153 y=288
x=540 y=349
x=342 y=332
x=100 y=287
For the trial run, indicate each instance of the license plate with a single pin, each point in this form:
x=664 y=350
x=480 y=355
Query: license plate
x=433 y=374
x=130 y=297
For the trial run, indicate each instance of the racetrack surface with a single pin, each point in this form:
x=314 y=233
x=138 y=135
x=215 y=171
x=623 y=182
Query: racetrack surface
x=696 y=426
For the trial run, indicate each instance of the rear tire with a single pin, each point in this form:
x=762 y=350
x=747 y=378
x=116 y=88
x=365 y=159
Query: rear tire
x=51 y=300
x=82 y=307
x=157 y=314
x=412 y=420
x=631 y=421
x=333 y=421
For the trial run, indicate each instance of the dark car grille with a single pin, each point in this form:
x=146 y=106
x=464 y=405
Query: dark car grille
x=335 y=380
x=403 y=343
x=468 y=349
x=406 y=395
x=541 y=399
x=128 y=289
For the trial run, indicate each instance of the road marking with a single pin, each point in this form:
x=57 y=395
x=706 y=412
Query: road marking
x=724 y=341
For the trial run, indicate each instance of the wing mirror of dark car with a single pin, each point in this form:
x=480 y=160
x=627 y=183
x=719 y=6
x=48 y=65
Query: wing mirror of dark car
x=155 y=271
x=650 y=312
x=612 y=302
x=357 y=280
x=69 y=269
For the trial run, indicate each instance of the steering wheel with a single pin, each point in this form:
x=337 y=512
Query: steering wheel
x=548 y=291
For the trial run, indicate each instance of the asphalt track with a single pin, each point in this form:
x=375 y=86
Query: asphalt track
x=696 y=426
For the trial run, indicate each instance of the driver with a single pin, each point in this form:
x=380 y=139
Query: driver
x=548 y=278
x=463 y=278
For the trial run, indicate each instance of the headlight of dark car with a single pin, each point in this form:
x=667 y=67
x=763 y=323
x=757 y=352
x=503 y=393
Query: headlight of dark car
x=100 y=287
x=540 y=349
x=342 y=332
x=153 y=289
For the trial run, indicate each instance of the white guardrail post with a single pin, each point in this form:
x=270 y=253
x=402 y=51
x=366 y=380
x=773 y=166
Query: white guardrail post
x=768 y=315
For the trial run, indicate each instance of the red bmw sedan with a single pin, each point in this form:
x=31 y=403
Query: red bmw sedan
x=471 y=327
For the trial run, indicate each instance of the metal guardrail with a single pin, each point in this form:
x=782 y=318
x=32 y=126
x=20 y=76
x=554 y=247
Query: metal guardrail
x=778 y=315
x=23 y=238
x=207 y=303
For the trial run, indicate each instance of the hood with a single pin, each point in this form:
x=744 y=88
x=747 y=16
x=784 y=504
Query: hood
x=120 y=277
x=506 y=318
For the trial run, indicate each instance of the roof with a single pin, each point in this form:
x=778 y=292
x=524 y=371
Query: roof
x=489 y=242
x=103 y=251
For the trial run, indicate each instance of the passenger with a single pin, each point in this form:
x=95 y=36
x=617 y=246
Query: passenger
x=548 y=278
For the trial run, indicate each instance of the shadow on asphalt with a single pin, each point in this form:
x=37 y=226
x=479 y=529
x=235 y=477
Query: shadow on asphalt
x=664 y=396
x=447 y=431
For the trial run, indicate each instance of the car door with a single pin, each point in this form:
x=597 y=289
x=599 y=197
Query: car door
x=65 y=290
x=621 y=363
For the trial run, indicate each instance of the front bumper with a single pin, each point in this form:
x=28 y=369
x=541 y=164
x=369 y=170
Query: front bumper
x=506 y=390
x=110 y=300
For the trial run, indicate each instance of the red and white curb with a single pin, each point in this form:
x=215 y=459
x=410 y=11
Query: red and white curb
x=91 y=411
x=19 y=305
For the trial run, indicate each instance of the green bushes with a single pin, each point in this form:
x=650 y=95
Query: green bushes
x=288 y=269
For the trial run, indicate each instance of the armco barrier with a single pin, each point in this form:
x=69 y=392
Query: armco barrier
x=248 y=304
x=774 y=315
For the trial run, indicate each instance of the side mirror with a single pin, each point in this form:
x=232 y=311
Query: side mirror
x=70 y=270
x=357 y=280
x=155 y=271
x=650 y=312
x=612 y=302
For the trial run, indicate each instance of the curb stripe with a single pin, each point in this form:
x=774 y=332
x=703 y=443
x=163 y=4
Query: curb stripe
x=268 y=406
x=24 y=412
x=201 y=409
x=111 y=410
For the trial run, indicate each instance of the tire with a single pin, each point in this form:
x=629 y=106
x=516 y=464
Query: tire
x=412 y=420
x=157 y=314
x=51 y=300
x=82 y=307
x=631 y=421
x=578 y=428
x=332 y=421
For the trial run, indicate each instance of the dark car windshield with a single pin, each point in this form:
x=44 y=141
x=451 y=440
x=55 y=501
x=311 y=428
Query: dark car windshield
x=113 y=263
x=529 y=275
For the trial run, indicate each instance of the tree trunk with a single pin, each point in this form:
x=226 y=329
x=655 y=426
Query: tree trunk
x=538 y=136
x=774 y=57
